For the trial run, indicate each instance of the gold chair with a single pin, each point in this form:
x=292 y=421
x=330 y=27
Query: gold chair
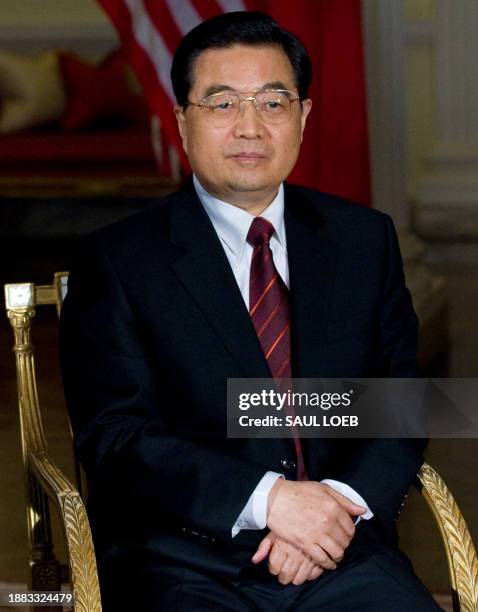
x=44 y=482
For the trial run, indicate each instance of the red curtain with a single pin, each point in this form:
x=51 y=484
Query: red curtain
x=334 y=156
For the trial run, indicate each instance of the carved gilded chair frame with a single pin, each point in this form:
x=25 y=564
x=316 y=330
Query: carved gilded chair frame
x=44 y=482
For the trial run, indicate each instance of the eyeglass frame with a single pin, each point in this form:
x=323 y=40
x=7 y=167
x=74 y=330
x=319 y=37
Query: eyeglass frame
x=243 y=97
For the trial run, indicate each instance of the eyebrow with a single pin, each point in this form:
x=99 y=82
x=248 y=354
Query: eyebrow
x=218 y=87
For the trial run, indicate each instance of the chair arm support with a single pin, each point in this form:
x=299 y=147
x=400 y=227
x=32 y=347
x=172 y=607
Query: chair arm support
x=460 y=551
x=81 y=555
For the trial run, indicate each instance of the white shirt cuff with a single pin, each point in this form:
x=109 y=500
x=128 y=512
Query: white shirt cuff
x=352 y=494
x=254 y=513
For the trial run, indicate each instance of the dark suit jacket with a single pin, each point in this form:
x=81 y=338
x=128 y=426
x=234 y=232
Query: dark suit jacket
x=152 y=327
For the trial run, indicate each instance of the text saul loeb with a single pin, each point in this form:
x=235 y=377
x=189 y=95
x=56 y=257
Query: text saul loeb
x=312 y=420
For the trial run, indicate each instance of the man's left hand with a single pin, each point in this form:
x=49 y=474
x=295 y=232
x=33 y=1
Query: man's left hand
x=287 y=562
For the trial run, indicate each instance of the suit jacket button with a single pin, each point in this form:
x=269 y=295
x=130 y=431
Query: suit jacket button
x=288 y=464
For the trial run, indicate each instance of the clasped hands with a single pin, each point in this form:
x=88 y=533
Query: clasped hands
x=310 y=527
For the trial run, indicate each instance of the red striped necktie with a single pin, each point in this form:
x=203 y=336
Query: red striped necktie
x=269 y=311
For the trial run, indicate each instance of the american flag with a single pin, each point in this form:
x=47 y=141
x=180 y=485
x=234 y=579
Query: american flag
x=150 y=31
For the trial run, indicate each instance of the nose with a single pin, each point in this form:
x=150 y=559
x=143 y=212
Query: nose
x=248 y=123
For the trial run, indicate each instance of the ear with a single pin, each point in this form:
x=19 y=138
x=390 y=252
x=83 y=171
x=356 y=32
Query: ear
x=306 y=108
x=182 y=125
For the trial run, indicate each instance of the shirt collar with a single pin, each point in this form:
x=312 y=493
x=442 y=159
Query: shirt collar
x=232 y=223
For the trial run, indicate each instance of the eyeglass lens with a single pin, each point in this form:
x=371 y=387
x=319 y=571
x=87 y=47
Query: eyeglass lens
x=273 y=106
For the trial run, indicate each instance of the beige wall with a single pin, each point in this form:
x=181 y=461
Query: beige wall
x=456 y=460
x=31 y=26
x=29 y=12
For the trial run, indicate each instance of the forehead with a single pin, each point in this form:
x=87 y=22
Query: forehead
x=243 y=68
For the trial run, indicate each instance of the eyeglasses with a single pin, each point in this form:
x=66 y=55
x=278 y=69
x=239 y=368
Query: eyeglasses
x=273 y=105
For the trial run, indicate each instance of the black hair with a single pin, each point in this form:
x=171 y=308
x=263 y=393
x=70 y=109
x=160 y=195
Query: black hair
x=249 y=28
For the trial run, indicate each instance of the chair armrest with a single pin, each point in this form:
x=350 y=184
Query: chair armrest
x=79 y=543
x=460 y=551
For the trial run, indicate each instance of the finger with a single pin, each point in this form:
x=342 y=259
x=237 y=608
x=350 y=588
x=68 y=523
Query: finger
x=315 y=572
x=340 y=537
x=277 y=559
x=347 y=524
x=263 y=549
x=342 y=527
x=289 y=568
x=319 y=556
x=332 y=548
x=346 y=503
x=303 y=572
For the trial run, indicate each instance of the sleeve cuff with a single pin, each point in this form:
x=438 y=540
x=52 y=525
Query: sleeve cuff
x=352 y=494
x=254 y=513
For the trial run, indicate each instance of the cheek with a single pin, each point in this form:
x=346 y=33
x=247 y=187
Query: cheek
x=295 y=136
x=287 y=143
x=196 y=148
x=205 y=142
x=205 y=152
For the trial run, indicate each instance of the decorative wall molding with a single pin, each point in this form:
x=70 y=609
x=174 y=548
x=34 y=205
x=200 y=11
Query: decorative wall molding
x=457 y=77
x=419 y=32
x=447 y=196
x=447 y=206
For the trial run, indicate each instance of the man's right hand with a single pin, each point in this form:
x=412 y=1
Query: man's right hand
x=313 y=517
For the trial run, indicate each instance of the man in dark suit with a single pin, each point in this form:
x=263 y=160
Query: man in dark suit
x=238 y=275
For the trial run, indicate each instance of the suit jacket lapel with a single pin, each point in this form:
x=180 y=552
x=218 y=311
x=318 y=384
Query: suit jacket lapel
x=312 y=260
x=204 y=270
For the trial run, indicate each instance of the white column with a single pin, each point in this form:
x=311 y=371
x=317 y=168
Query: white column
x=447 y=197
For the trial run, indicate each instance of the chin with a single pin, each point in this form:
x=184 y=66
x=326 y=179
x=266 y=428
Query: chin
x=251 y=181
x=245 y=185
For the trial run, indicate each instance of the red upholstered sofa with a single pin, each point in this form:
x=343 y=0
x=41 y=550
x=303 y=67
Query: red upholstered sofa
x=98 y=162
x=99 y=143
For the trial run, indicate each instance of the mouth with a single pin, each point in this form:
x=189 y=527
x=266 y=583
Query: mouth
x=244 y=156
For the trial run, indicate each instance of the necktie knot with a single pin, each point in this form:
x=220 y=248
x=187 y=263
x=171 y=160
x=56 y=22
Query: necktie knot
x=260 y=232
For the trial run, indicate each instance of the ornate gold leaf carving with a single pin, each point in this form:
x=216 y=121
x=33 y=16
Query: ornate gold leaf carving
x=79 y=543
x=462 y=559
x=81 y=554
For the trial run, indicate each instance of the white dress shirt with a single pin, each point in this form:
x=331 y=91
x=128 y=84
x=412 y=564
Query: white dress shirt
x=232 y=226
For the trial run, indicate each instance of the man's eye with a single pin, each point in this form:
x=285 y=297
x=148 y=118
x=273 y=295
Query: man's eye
x=222 y=106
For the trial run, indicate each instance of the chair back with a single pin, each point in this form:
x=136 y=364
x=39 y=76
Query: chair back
x=44 y=481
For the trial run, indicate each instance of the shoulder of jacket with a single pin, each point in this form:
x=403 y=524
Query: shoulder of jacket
x=336 y=209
